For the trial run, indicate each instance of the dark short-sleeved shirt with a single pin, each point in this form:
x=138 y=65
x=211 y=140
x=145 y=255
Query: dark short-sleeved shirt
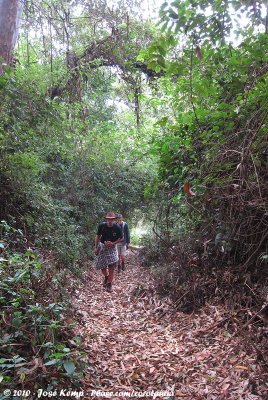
x=109 y=234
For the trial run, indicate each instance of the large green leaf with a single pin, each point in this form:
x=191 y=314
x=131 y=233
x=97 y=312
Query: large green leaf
x=69 y=367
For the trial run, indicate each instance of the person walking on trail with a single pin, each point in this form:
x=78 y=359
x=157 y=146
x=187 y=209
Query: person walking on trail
x=109 y=234
x=124 y=245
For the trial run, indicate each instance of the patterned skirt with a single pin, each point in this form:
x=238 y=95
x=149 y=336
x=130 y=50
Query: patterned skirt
x=106 y=256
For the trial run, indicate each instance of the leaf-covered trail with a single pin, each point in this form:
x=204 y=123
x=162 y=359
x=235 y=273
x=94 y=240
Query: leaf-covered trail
x=134 y=342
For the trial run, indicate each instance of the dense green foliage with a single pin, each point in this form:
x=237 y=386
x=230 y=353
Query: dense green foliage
x=213 y=137
x=54 y=154
x=34 y=308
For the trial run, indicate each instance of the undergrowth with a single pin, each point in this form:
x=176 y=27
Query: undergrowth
x=39 y=349
x=195 y=276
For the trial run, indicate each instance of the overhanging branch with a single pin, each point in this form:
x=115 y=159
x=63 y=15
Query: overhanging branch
x=102 y=53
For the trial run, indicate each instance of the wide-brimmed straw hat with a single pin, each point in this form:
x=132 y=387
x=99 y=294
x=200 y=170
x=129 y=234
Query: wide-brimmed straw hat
x=110 y=215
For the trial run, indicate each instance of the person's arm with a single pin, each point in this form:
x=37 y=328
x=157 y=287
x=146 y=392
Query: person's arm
x=96 y=243
x=119 y=240
x=127 y=236
x=112 y=244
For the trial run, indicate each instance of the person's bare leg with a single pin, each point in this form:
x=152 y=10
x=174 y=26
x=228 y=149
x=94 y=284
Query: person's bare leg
x=123 y=258
x=111 y=273
x=110 y=277
x=105 y=272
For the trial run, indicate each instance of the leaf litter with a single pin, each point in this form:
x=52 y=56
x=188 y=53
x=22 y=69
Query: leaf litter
x=133 y=341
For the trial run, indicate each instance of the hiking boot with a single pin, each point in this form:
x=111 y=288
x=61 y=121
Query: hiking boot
x=105 y=281
x=119 y=269
x=123 y=267
x=109 y=287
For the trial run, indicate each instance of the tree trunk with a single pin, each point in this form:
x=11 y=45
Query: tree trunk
x=10 y=15
x=137 y=107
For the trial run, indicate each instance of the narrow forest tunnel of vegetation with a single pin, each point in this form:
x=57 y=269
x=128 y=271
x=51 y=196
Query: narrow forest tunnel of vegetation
x=157 y=112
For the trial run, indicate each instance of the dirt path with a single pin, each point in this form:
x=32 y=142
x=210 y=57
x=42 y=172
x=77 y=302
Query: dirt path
x=134 y=344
